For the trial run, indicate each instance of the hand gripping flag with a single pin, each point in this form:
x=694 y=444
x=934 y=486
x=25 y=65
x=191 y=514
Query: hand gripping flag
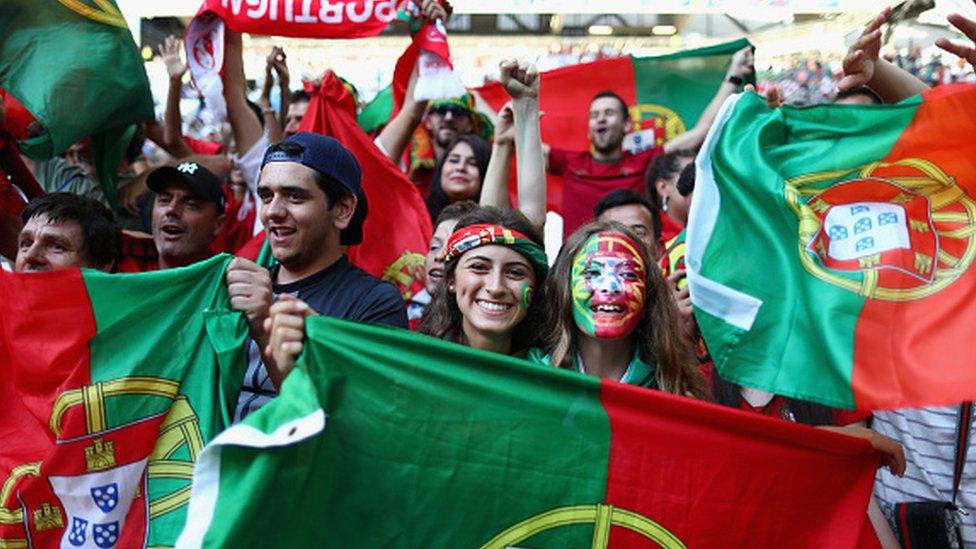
x=830 y=249
x=384 y=438
x=110 y=385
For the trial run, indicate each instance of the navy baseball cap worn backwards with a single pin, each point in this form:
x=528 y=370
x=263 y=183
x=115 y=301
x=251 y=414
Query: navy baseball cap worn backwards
x=329 y=158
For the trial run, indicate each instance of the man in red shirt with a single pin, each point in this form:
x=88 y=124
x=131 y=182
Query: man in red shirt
x=588 y=175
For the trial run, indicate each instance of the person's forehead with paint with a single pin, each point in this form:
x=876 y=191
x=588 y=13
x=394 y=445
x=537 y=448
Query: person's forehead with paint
x=609 y=288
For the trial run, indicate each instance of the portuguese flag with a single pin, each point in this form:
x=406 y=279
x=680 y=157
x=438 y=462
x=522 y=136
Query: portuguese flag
x=666 y=94
x=110 y=386
x=830 y=249
x=74 y=66
x=384 y=438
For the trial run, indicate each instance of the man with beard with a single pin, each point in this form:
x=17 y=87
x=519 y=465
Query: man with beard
x=589 y=175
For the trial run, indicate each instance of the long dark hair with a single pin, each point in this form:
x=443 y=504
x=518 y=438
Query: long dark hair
x=436 y=199
x=664 y=166
x=658 y=336
x=443 y=317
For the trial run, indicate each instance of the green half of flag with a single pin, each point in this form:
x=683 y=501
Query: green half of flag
x=385 y=438
x=74 y=66
x=111 y=384
x=377 y=112
x=830 y=249
x=671 y=91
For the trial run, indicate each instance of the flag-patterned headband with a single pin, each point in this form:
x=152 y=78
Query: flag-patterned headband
x=474 y=236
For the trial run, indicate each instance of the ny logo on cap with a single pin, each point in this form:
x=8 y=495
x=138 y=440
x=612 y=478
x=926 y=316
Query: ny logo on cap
x=188 y=167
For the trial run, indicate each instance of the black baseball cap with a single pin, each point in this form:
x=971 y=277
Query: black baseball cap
x=201 y=181
x=328 y=157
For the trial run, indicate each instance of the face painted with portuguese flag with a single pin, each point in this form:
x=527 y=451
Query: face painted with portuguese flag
x=608 y=281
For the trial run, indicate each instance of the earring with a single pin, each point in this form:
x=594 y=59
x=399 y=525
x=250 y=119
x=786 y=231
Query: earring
x=664 y=203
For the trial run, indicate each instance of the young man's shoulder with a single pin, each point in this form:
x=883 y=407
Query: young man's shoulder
x=371 y=299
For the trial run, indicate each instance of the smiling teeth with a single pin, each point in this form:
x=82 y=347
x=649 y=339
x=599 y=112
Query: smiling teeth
x=608 y=308
x=493 y=306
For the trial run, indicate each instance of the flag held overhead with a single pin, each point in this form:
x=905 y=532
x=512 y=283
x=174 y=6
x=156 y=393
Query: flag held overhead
x=860 y=224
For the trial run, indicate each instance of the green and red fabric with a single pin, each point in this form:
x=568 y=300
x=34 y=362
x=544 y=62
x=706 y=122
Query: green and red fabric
x=666 y=95
x=384 y=438
x=110 y=385
x=75 y=67
x=473 y=236
x=398 y=228
x=375 y=114
x=830 y=249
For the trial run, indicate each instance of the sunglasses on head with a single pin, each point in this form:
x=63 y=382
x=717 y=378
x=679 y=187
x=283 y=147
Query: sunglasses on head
x=455 y=110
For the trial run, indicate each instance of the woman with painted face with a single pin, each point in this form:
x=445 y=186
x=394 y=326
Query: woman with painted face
x=460 y=173
x=612 y=316
x=493 y=263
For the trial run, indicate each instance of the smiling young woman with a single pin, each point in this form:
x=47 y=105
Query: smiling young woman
x=611 y=314
x=493 y=263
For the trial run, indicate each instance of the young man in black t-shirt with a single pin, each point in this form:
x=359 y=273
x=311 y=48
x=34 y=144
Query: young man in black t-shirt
x=312 y=205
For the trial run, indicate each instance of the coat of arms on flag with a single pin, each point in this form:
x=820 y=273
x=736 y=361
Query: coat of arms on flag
x=902 y=227
x=109 y=411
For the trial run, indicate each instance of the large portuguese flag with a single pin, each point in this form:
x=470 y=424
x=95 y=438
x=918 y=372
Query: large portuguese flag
x=830 y=249
x=74 y=66
x=384 y=438
x=110 y=385
x=666 y=95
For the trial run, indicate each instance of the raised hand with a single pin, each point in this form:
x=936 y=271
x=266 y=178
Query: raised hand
x=433 y=9
x=521 y=79
x=277 y=60
x=743 y=63
x=175 y=66
x=862 y=56
x=966 y=51
x=505 y=126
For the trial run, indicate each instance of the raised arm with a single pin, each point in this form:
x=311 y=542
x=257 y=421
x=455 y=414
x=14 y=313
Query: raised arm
x=280 y=65
x=863 y=67
x=395 y=136
x=271 y=121
x=740 y=67
x=494 y=190
x=247 y=128
x=172 y=119
x=521 y=80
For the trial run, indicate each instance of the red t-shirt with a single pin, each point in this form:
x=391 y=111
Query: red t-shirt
x=586 y=180
x=669 y=227
x=778 y=406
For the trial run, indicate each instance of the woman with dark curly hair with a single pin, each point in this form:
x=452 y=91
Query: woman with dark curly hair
x=612 y=315
x=493 y=264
